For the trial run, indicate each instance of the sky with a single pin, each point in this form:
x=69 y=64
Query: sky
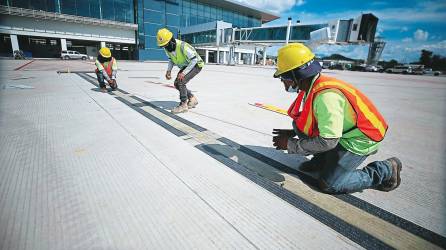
x=406 y=26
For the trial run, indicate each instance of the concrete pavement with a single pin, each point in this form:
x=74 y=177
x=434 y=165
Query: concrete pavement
x=83 y=169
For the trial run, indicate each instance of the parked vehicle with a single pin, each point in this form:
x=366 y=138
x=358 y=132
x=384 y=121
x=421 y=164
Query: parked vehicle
x=429 y=71
x=337 y=66
x=70 y=54
x=358 y=68
x=400 y=69
x=417 y=69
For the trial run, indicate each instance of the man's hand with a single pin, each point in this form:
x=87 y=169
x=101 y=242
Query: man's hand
x=281 y=142
x=180 y=77
x=110 y=81
x=284 y=132
x=168 y=76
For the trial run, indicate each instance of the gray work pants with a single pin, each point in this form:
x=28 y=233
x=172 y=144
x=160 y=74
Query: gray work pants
x=185 y=94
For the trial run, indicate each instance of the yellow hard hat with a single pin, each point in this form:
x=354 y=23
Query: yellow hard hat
x=163 y=37
x=105 y=52
x=292 y=56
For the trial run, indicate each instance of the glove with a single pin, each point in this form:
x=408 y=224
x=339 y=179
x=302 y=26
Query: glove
x=280 y=142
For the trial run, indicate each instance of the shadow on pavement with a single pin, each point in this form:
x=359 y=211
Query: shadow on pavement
x=165 y=104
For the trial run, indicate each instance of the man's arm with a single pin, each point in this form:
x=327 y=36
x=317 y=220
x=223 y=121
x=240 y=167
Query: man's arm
x=328 y=109
x=114 y=69
x=102 y=70
x=311 y=146
x=193 y=60
x=169 y=66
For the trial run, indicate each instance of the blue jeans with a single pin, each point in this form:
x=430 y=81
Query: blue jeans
x=101 y=79
x=339 y=173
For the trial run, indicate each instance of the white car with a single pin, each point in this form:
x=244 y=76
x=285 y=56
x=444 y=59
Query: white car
x=429 y=71
x=69 y=54
x=400 y=69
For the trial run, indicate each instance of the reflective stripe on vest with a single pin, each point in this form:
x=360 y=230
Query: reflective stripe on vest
x=109 y=67
x=180 y=58
x=369 y=121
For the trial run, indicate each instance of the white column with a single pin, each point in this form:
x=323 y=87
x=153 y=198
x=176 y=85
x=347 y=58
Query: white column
x=288 y=29
x=218 y=55
x=224 y=57
x=63 y=43
x=207 y=56
x=239 y=58
x=14 y=43
x=264 y=55
x=102 y=44
x=253 y=58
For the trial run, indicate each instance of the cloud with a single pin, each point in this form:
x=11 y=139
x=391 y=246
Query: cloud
x=421 y=12
x=420 y=35
x=436 y=46
x=407 y=40
x=410 y=51
x=276 y=6
x=404 y=29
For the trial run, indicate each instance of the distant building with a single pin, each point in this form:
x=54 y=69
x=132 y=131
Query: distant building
x=43 y=28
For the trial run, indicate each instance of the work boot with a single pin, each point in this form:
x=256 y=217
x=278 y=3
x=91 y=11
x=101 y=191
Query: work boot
x=181 y=108
x=103 y=89
x=395 y=180
x=192 y=102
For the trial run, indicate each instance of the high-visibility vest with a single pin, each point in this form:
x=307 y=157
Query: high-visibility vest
x=180 y=58
x=109 y=67
x=368 y=120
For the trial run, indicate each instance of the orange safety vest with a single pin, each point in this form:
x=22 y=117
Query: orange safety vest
x=109 y=67
x=368 y=120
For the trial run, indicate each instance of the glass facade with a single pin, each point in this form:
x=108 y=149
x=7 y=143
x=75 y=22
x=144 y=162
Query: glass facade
x=209 y=36
x=153 y=15
x=115 y=10
x=193 y=12
x=297 y=33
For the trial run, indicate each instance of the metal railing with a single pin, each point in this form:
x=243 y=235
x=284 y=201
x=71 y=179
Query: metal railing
x=40 y=14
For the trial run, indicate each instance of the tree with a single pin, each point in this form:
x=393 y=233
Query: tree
x=426 y=58
x=438 y=63
x=390 y=64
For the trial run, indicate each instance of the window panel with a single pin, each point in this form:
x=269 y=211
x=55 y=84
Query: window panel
x=193 y=8
x=150 y=42
x=172 y=20
x=123 y=11
x=108 y=10
x=155 y=5
x=200 y=9
x=68 y=7
x=151 y=29
x=173 y=6
x=207 y=11
x=153 y=16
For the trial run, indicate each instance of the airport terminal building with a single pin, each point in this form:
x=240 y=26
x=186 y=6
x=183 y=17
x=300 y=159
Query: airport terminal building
x=43 y=28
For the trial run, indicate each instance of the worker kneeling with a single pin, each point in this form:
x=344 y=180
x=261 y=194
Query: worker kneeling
x=106 y=69
x=187 y=59
x=337 y=124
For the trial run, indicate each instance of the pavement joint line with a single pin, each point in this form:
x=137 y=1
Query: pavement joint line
x=348 y=199
x=179 y=178
x=355 y=234
x=24 y=65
